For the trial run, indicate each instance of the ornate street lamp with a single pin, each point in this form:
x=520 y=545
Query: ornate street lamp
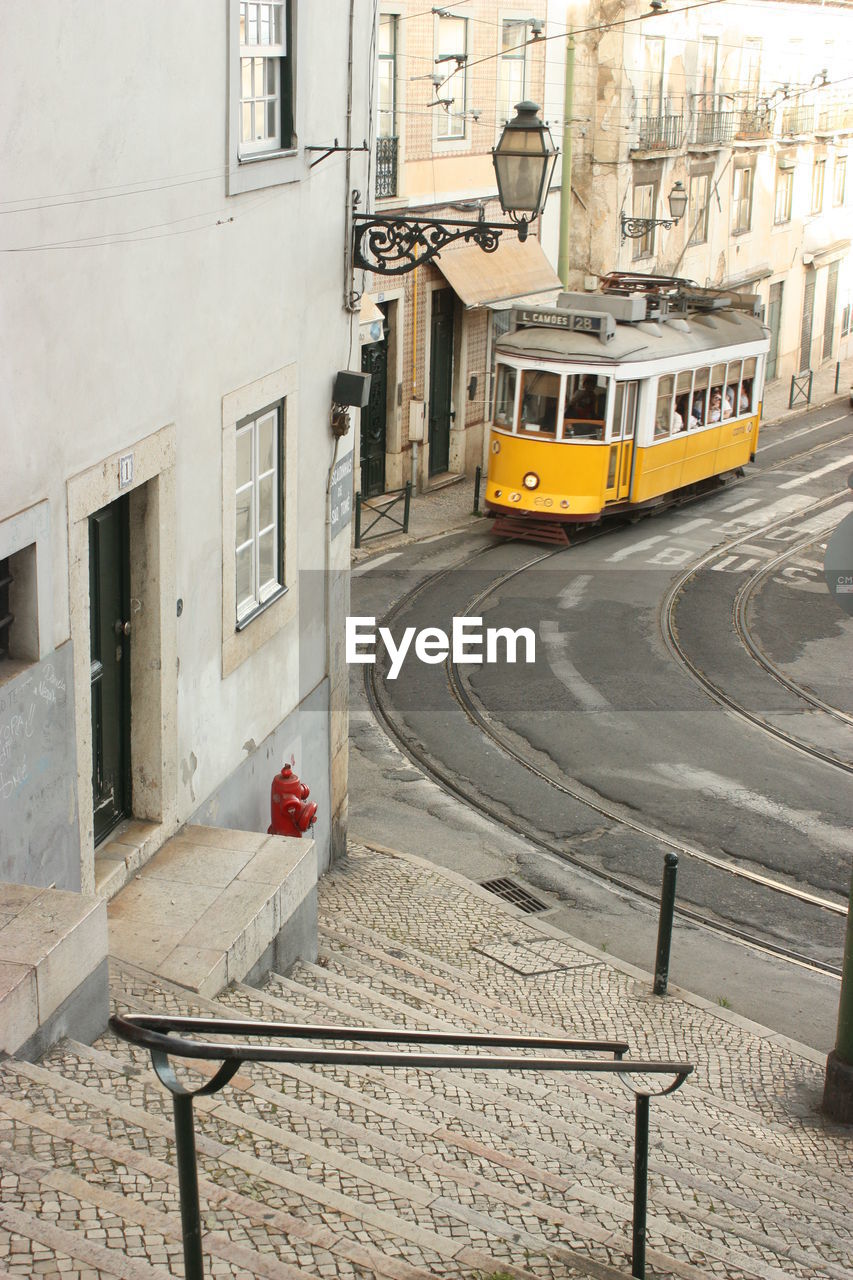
x=636 y=228
x=524 y=161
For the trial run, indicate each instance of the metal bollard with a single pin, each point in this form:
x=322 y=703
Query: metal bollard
x=837 y=375
x=667 y=907
x=477 y=475
x=358 y=519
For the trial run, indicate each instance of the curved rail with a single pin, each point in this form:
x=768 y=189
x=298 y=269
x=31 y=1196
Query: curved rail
x=162 y=1035
x=480 y=718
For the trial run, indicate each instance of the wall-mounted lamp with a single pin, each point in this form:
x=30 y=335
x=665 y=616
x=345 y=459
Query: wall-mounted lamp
x=636 y=228
x=351 y=389
x=524 y=160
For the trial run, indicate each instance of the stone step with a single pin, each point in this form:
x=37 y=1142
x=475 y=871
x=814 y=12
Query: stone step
x=410 y=1169
x=720 y=1120
x=822 y=1232
x=725 y=1154
x=412 y=995
x=230 y=1144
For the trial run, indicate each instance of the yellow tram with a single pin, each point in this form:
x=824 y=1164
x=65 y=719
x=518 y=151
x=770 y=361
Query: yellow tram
x=610 y=401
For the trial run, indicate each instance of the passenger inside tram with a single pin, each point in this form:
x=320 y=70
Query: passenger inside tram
x=540 y=393
x=585 y=410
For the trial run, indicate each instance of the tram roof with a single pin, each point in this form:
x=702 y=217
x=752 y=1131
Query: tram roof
x=667 y=339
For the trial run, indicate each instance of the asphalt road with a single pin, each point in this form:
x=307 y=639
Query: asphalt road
x=644 y=755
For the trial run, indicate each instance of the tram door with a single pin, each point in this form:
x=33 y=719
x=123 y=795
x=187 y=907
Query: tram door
x=622 y=430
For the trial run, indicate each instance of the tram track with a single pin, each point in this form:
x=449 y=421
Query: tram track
x=669 y=633
x=425 y=760
x=741 y=606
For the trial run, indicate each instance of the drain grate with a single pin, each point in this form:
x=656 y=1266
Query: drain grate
x=515 y=894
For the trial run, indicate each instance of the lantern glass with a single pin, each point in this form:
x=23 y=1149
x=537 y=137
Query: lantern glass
x=524 y=160
x=678 y=201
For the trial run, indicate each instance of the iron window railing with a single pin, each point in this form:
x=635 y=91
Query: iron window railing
x=753 y=118
x=797 y=120
x=165 y=1036
x=386 y=167
x=835 y=117
x=660 y=126
x=712 y=124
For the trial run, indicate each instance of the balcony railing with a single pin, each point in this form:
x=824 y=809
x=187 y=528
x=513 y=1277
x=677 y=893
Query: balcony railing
x=754 y=118
x=835 y=117
x=660 y=125
x=713 y=124
x=797 y=120
x=386 y=168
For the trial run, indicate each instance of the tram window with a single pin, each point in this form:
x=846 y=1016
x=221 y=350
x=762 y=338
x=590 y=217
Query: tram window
x=746 y=404
x=630 y=410
x=663 y=412
x=730 y=403
x=586 y=407
x=715 y=400
x=683 y=388
x=618 y=406
x=699 y=402
x=505 y=396
x=540 y=394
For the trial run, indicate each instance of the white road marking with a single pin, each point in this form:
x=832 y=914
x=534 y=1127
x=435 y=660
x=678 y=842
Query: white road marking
x=807 y=821
x=821 y=471
x=374 y=564
x=740 y=506
x=794 y=435
x=723 y=564
x=557 y=653
x=638 y=546
x=693 y=524
x=573 y=593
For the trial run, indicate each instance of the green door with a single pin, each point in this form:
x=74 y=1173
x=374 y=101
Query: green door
x=109 y=592
x=374 y=360
x=440 y=380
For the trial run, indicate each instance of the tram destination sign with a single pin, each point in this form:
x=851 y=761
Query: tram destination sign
x=598 y=324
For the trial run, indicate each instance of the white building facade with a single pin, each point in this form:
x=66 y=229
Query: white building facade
x=750 y=108
x=176 y=302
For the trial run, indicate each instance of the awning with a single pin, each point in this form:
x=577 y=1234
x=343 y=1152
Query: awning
x=370 y=320
x=512 y=271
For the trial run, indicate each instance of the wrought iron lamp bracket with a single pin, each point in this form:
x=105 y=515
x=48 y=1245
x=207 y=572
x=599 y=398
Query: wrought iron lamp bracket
x=391 y=245
x=636 y=228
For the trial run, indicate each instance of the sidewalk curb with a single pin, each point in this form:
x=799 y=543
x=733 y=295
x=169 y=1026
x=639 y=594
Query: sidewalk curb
x=630 y=971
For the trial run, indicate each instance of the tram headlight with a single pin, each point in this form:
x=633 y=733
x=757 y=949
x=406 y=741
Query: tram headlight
x=564 y=502
x=498 y=492
x=515 y=497
x=531 y=480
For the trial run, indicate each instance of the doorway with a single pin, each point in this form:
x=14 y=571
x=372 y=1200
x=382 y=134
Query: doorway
x=774 y=321
x=373 y=445
x=109 y=613
x=440 y=380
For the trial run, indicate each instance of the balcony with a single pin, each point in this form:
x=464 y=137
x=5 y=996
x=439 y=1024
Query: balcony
x=836 y=117
x=712 y=126
x=660 y=125
x=386 y=168
x=754 y=119
x=797 y=120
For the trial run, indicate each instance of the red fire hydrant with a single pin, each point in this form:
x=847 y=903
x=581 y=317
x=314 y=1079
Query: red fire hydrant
x=290 y=815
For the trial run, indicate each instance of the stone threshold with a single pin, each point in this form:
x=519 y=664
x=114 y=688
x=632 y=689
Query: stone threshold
x=214 y=906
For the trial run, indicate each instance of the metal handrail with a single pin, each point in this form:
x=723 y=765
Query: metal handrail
x=156 y=1033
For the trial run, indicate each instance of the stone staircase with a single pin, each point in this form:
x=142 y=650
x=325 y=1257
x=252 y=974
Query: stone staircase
x=357 y=1171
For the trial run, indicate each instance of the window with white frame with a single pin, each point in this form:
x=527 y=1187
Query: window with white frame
x=258 y=502
x=699 y=207
x=512 y=68
x=839 y=181
x=266 y=99
x=742 y=199
x=784 y=196
x=386 y=122
x=645 y=200
x=451 y=59
x=818 y=179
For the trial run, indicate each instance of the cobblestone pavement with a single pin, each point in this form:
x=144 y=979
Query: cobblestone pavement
x=358 y=1171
